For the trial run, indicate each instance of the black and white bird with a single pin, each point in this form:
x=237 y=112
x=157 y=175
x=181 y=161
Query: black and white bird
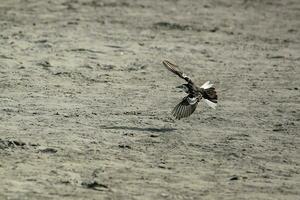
x=189 y=103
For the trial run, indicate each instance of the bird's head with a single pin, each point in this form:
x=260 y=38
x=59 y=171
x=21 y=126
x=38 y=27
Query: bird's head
x=183 y=87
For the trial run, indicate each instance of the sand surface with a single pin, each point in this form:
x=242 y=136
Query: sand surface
x=85 y=101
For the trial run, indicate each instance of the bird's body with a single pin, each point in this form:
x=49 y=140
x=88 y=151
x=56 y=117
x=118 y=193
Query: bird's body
x=189 y=103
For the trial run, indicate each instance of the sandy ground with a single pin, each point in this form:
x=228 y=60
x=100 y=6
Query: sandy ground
x=85 y=101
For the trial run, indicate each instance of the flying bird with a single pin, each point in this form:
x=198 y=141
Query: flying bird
x=194 y=94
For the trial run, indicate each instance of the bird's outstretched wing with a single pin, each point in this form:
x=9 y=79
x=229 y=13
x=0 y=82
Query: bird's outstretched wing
x=186 y=107
x=173 y=68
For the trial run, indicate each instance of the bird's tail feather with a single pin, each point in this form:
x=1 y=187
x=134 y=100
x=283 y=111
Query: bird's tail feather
x=210 y=103
x=210 y=97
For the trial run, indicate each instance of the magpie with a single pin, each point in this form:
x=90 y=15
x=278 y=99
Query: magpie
x=194 y=94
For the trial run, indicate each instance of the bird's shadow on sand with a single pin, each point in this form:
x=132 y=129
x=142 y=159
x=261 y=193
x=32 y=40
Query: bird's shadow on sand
x=149 y=129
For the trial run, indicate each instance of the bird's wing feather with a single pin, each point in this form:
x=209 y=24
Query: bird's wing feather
x=186 y=107
x=173 y=68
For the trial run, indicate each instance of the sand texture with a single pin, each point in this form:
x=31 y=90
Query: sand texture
x=85 y=101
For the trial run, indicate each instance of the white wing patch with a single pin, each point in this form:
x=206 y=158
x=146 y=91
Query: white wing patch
x=206 y=85
x=184 y=75
x=192 y=100
x=210 y=104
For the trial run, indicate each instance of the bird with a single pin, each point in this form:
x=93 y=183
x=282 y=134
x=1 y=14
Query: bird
x=189 y=103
